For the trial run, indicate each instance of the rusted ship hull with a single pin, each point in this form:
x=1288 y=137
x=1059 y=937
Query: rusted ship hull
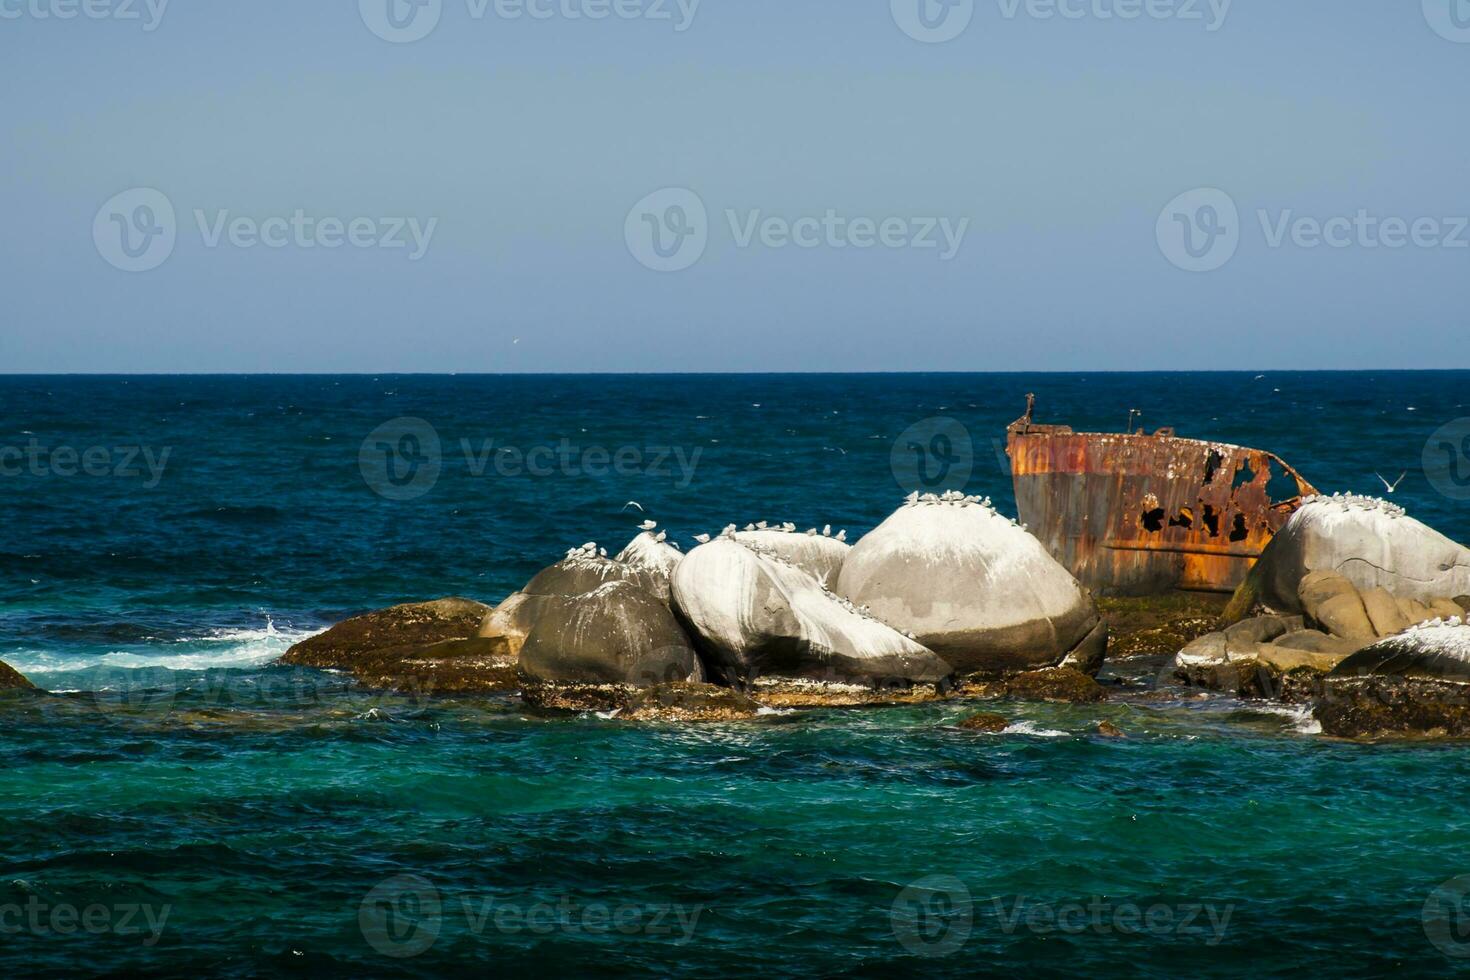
x=1137 y=514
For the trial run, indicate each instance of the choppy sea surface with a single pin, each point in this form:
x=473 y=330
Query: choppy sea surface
x=183 y=807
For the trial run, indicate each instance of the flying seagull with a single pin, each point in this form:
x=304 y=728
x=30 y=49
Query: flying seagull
x=1391 y=487
x=633 y=503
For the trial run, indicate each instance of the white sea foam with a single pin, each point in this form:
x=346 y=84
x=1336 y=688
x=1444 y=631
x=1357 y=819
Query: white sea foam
x=216 y=648
x=1030 y=728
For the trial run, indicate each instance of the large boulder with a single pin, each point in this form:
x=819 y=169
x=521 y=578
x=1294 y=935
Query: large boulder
x=594 y=649
x=1416 y=682
x=1370 y=542
x=581 y=571
x=425 y=646
x=752 y=614
x=819 y=554
x=652 y=555
x=11 y=680
x=974 y=587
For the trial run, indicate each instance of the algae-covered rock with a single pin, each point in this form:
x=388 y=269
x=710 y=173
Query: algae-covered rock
x=985 y=722
x=689 y=702
x=11 y=679
x=1413 y=683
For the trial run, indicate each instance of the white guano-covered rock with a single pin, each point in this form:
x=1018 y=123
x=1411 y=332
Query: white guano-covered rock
x=1370 y=542
x=753 y=614
x=818 y=554
x=650 y=552
x=974 y=587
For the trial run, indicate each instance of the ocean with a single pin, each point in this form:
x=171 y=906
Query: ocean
x=186 y=808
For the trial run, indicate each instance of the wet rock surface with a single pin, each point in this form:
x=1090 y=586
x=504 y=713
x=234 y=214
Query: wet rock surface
x=1415 y=682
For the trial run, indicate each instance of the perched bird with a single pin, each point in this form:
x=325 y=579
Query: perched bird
x=702 y=538
x=1391 y=487
x=827 y=530
x=662 y=537
x=648 y=525
x=842 y=535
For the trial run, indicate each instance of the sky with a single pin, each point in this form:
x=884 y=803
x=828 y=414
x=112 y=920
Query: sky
x=733 y=185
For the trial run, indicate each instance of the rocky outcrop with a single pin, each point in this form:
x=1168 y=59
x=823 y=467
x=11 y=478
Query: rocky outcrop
x=426 y=647
x=689 y=703
x=1371 y=543
x=975 y=588
x=752 y=614
x=1413 y=683
x=1065 y=685
x=11 y=680
x=581 y=571
x=651 y=554
x=593 y=650
x=818 y=554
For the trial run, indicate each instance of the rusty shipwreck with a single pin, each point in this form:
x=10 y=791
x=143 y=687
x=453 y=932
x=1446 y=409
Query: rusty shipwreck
x=1131 y=513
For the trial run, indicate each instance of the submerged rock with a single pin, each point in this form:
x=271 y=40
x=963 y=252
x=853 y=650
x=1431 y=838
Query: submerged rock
x=817 y=554
x=593 y=650
x=11 y=679
x=1414 y=683
x=689 y=703
x=1370 y=542
x=752 y=614
x=583 y=570
x=975 y=588
x=1109 y=730
x=986 y=722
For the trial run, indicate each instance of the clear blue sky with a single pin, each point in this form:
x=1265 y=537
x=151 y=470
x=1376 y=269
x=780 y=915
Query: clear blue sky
x=1060 y=139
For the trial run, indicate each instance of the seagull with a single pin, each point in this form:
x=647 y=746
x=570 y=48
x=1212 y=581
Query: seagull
x=633 y=503
x=1391 y=487
x=662 y=537
x=842 y=535
x=648 y=525
x=702 y=538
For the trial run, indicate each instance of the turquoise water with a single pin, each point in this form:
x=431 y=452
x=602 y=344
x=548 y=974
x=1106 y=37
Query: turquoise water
x=206 y=813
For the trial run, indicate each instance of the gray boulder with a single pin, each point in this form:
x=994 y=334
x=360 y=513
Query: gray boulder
x=753 y=614
x=583 y=570
x=650 y=554
x=602 y=645
x=974 y=587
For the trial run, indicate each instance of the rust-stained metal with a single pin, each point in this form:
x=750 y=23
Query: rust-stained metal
x=1135 y=514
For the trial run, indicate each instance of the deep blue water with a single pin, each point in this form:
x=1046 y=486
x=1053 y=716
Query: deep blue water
x=261 y=806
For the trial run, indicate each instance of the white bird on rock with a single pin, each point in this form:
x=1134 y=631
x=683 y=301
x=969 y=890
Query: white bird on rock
x=702 y=538
x=648 y=525
x=842 y=535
